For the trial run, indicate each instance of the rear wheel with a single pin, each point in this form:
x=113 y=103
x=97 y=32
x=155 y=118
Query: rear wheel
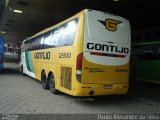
x=44 y=81
x=52 y=84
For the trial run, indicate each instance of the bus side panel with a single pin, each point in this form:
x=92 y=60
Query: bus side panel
x=28 y=68
x=1 y=52
x=148 y=70
x=43 y=63
x=70 y=63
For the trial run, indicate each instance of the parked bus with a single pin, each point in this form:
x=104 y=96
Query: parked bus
x=148 y=54
x=1 y=52
x=87 y=54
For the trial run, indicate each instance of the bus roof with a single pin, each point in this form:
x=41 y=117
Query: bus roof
x=56 y=25
x=50 y=28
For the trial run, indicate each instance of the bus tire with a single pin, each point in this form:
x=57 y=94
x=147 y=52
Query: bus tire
x=52 y=84
x=44 y=81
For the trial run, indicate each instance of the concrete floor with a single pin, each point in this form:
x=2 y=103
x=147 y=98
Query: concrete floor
x=23 y=95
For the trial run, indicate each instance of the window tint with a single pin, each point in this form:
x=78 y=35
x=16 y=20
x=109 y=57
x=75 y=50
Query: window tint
x=47 y=40
x=56 y=37
x=68 y=34
x=62 y=36
x=149 y=52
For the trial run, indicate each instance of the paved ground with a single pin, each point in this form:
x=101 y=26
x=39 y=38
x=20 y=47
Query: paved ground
x=23 y=95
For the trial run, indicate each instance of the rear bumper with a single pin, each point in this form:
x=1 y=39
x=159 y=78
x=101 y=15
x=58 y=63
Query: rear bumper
x=99 y=89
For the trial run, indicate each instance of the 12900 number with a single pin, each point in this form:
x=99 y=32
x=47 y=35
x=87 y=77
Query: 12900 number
x=64 y=55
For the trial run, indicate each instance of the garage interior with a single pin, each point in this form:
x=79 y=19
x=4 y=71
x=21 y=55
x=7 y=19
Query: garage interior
x=39 y=14
x=20 y=19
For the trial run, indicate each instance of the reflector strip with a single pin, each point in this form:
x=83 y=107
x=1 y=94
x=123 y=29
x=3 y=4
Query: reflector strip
x=107 y=54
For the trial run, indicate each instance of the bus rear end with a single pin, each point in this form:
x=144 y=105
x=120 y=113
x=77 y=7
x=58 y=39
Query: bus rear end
x=103 y=66
x=1 y=52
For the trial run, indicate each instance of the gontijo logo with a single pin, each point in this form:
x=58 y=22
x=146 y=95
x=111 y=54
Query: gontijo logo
x=110 y=24
x=110 y=50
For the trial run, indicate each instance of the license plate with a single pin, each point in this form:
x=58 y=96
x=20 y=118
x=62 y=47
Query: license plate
x=107 y=86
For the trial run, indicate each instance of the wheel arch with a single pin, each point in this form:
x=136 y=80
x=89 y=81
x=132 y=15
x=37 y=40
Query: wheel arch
x=50 y=72
x=53 y=73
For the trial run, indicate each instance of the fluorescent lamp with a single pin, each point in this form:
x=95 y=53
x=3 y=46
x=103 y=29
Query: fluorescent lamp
x=10 y=9
x=17 y=11
x=3 y=32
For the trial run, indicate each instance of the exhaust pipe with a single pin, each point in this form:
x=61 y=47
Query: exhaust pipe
x=91 y=92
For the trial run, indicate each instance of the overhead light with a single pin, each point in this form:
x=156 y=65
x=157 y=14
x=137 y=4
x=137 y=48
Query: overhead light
x=10 y=9
x=10 y=21
x=3 y=32
x=116 y=0
x=17 y=11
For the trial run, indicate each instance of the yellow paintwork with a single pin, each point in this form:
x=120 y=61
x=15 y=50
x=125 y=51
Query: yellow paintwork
x=118 y=80
x=54 y=63
x=108 y=76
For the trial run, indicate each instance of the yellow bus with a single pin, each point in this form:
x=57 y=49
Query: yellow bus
x=85 y=55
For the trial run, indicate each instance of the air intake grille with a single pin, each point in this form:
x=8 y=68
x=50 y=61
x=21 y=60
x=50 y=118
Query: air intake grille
x=66 y=77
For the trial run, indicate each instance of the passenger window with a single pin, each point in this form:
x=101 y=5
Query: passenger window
x=69 y=31
x=56 y=37
x=149 y=52
x=48 y=40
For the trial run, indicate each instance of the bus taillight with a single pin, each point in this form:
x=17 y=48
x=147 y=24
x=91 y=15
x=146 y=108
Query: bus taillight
x=79 y=66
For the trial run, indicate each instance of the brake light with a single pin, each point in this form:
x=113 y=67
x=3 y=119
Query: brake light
x=79 y=67
x=79 y=62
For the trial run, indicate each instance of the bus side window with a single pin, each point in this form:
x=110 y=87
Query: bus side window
x=56 y=37
x=68 y=33
x=47 y=40
x=149 y=52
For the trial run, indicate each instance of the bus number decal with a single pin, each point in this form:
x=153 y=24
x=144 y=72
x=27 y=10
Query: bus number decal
x=64 y=55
